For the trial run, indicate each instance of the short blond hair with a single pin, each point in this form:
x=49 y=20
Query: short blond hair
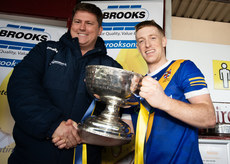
x=148 y=23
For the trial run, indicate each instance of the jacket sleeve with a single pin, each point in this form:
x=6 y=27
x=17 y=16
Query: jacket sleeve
x=29 y=104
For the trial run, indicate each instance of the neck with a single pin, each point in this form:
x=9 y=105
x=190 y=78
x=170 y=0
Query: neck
x=154 y=66
x=85 y=50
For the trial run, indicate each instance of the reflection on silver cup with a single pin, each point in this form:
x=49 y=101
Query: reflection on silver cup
x=115 y=87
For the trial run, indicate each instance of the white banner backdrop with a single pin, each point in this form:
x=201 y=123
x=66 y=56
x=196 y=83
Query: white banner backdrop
x=16 y=40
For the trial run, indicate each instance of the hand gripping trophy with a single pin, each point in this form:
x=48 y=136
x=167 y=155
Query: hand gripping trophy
x=114 y=86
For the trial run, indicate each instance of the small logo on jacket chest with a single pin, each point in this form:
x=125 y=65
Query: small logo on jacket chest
x=58 y=62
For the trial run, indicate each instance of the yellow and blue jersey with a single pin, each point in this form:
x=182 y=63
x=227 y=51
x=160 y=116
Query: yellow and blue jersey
x=171 y=140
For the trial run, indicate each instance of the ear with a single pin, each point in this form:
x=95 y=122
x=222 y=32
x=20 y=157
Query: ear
x=100 y=30
x=164 y=41
x=138 y=47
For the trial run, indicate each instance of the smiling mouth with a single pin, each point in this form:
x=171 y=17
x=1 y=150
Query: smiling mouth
x=150 y=51
x=80 y=34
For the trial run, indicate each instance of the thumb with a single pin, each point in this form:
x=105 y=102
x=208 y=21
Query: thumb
x=69 y=122
x=74 y=124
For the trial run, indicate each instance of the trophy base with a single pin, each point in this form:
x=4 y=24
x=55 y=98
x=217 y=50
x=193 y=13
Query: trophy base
x=95 y=139
x=105 y=133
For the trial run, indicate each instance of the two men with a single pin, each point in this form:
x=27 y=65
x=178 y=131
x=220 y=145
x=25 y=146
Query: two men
x=46 y=94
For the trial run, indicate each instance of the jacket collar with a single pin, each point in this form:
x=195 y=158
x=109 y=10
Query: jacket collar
x=73 y=43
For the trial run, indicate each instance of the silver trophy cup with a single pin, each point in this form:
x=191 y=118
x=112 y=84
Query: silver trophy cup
x=114 y=86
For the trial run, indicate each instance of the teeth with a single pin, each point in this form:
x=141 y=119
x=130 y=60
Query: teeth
x=82 y=34
x=149 y=51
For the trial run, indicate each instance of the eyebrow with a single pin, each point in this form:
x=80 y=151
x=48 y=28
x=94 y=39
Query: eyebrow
x=148 y=35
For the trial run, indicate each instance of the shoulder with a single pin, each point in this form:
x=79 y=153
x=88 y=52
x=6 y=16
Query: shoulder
x=189 y=69
x=53 y=44
x=190 y=78
x=188 y=65
x=45 y=44
x=42 y=48
x=103 y=59
x=109 y=61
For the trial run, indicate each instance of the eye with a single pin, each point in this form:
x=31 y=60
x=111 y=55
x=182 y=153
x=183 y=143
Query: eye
x=89 y=23
x=76 y=21
x=140 y=41
x=153 y=37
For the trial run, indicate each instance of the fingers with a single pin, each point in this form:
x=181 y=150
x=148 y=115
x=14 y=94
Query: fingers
x=71 y=142
x=75 y=133
x=135 y=84
x=66 y=135
x=147 y=85
x=96 y=96
x=151 y=89
x=60 y=143
x=147 y=80
x=70 y=135
x=69 y=122
x=63 y=146
x=75 y=125
x=75 y=130
x=56 y=139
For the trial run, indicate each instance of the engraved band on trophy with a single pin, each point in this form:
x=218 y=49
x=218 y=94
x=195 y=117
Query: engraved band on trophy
x=115 y=87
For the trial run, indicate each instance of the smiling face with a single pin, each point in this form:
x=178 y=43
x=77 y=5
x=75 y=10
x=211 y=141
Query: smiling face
x=86 y=28
x=151 y=44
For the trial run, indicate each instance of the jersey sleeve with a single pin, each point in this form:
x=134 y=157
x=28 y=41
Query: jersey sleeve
x=191 y=79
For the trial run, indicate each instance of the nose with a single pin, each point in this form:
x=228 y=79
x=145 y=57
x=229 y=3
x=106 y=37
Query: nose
x=82 y=27
x=147 y=43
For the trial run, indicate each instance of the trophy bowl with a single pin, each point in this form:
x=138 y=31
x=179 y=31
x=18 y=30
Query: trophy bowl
x=115 y=87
